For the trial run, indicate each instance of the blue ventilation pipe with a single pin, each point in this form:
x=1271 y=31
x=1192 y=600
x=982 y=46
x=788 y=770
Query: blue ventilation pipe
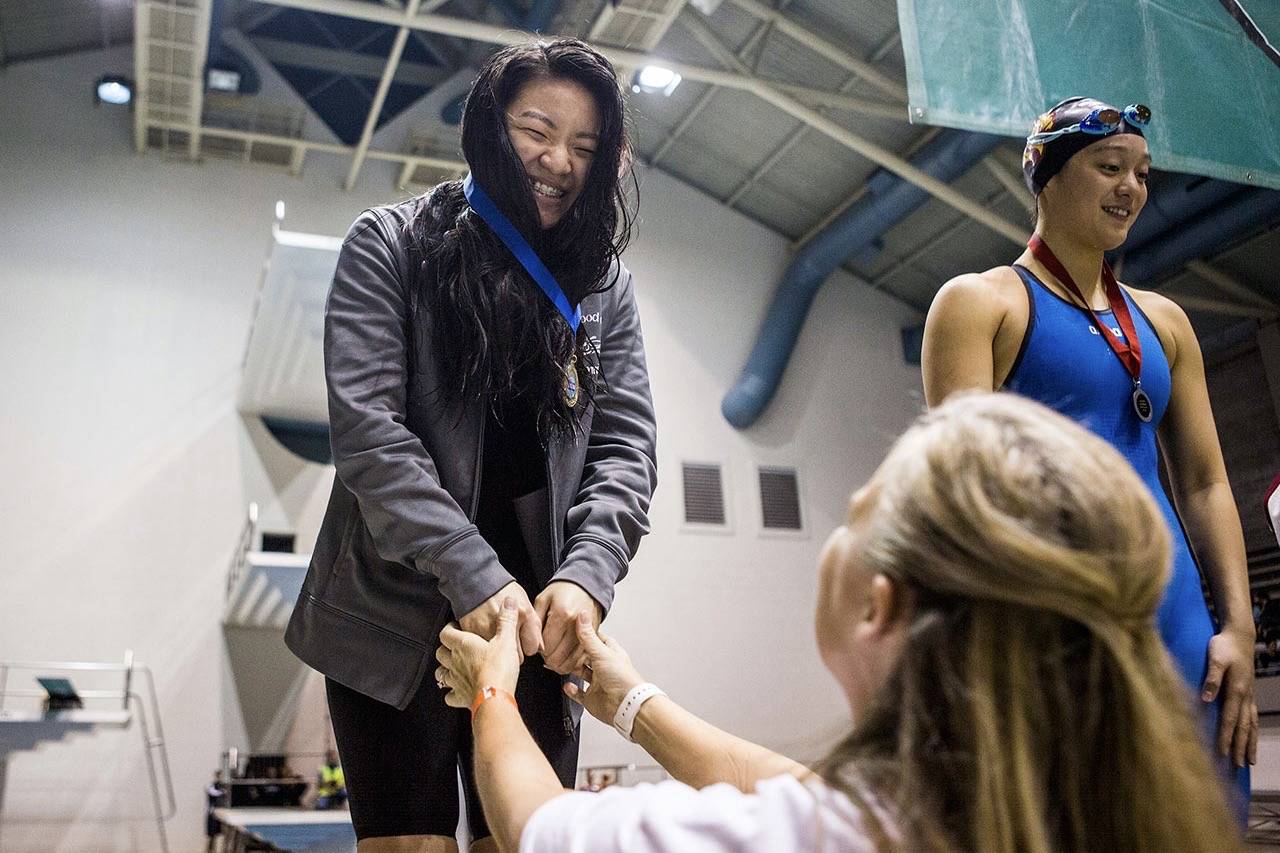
x=537 y=19
x=1245 y=211
x=889 y=199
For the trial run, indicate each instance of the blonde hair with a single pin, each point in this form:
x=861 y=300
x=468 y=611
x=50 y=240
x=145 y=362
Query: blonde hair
x=1035 y=708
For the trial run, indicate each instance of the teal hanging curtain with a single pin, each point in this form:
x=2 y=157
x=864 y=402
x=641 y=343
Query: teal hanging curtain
x=1209 y=70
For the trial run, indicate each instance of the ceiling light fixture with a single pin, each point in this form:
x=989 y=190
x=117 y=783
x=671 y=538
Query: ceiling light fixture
x=113 y=89
x=223 y=80
x=655 y=78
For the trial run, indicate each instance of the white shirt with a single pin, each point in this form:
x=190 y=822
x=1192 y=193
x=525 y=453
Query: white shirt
x=784 y=815
x=1273 y=507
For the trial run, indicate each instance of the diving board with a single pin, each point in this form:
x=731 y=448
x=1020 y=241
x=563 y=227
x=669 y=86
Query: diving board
x=295 y=830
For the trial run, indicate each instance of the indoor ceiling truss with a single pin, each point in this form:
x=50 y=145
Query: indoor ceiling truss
x=171 y=41
x=638 y=24
x=796 y=100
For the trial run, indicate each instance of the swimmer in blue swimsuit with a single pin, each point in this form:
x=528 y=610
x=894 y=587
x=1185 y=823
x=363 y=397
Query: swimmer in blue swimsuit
x=1058 y=328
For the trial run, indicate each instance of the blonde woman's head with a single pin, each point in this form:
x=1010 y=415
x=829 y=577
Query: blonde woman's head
x=988 y=610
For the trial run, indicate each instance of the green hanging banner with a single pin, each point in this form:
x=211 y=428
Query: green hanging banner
x=1209 y=70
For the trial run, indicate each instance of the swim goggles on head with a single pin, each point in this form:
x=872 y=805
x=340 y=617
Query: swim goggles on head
x=1100 y=122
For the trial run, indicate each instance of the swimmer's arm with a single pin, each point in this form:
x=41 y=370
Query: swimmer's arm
x=1203 y=496
x=513 y=776
x=1198 y=475
x=699 y=754
x=959 y=334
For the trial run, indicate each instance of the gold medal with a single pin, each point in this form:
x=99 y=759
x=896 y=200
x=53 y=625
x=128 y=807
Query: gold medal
x=571 y=382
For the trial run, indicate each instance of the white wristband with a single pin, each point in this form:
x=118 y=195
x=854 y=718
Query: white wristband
x=625 y=718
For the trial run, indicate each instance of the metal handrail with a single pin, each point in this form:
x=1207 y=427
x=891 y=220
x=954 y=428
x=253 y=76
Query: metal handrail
x=159 y=741
x=248 y=536
x=93 y=666
x=130 y=700
x=26 y=693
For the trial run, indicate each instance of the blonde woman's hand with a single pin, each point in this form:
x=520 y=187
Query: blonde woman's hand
x=558 y=606
x=468 y=662
x=1231 y=673
x=606 y=668
x=483 y=619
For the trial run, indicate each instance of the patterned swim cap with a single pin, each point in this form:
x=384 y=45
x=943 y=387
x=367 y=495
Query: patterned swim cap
x=1041 y=162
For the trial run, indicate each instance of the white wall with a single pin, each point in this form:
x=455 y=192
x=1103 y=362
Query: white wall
x=126 y=290
x=723 y=622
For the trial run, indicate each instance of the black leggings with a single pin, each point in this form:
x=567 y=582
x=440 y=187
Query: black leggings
x=401 y=766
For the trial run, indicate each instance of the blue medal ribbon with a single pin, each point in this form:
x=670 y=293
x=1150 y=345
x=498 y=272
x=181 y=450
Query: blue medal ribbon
x=524 y=253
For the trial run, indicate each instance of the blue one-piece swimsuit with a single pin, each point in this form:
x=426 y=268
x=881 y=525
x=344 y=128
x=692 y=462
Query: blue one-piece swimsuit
x=1064 y=365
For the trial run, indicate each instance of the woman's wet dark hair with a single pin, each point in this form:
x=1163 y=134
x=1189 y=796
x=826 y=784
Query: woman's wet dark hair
x=496 y=335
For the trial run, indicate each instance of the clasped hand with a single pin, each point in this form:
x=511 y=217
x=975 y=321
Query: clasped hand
x=469 y=662
x=545 y=625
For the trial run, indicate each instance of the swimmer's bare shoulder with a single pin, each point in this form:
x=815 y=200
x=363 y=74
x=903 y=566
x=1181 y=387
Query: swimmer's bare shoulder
x=1171 y=323
x=971 y=323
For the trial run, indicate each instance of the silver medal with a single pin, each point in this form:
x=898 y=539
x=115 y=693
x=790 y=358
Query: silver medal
x=1142 y=404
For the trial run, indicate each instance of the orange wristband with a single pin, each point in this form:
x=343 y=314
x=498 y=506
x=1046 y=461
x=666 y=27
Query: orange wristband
x=486 y=693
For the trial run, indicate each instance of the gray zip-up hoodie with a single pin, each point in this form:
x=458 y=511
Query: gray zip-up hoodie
x=398 y=555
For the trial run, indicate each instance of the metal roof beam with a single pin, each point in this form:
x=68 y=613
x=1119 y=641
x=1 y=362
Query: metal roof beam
x=704 y=33
x=149 y=51
x=783 y=97
x=794 y=137
x=1220 y=306
x=661 y=18
x=307 y=145
x=105 y=26
x=347 y=63
x=1228 y=284
x=140 y=94
x=602 y=20
x=798 y=134
x=337 y=76
x=252 y=20
x=204 y=17
x=668 y=18
x=419 y=36
x=827 y=49
x=711 y=40
x=725 y=55
x=380 y=97
x=1013 y=185
x=896 y=164
x=493 y=34
x=769 y=162
x=909 y=259
x=825 y=98
x=704 y=98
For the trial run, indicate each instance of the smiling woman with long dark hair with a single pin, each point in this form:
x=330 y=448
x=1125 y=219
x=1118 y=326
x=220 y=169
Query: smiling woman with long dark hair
x=493 y=436
x=496 y=325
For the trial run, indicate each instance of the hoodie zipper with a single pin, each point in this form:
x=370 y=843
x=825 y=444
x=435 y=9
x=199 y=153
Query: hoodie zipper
x=475 y=478
x=566 y=712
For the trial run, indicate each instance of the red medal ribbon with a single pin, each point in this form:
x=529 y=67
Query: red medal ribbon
x=1130 y=351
